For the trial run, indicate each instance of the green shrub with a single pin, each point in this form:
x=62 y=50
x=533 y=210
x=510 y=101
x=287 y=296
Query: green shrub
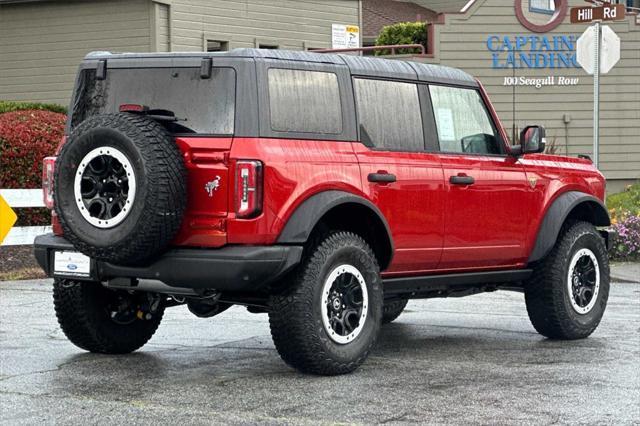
x=625 y=203
x=9 y=106
x=402 y=33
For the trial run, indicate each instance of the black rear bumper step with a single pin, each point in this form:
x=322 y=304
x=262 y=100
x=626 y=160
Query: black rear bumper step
x=230 y=268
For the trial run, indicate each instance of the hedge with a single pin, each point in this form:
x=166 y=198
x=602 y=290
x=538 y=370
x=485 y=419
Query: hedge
x=625 y=203
x=26 y=137
x=402 y=33
x=10 y=106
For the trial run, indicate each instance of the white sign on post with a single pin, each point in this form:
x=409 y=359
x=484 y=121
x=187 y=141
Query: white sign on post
x=609 y=49
x=598 y=50
x=345 y=36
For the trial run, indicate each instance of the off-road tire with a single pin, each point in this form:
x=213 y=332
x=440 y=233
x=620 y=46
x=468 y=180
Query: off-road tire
x=81 y=313
x=295 y=316
x=160 y=194
x=392 y=310
x=547 y=296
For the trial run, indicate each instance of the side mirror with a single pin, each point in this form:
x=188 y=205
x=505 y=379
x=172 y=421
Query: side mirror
x=533 y=139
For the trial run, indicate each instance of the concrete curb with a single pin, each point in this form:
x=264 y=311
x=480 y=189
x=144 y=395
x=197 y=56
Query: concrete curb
x=625 y=272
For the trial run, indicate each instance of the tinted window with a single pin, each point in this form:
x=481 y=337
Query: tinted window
x=201 y=105
x=304 y=101
x=389 y=114
x=462 y=121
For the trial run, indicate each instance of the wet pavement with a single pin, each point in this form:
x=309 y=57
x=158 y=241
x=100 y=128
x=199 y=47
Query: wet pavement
x=445 y=361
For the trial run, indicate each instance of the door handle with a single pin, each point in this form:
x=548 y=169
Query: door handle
x=462 y=180
x=381 y=177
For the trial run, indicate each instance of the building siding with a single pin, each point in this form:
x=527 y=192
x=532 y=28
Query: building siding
x=161 y=27
x=461 y=42
x=41 y=44
x=288 y=24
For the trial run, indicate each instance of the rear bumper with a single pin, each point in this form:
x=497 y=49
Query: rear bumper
x=231 y=268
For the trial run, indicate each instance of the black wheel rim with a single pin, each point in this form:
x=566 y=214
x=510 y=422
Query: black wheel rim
x=344 y=302
x=583 y=281
x=104 y=187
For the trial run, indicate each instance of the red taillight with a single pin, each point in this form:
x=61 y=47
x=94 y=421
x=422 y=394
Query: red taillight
x=248 y=188
x=56 y=227
x=133 y=108
x=48 y=168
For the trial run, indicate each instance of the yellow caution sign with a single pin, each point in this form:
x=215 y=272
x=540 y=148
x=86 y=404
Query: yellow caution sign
x=7 y=218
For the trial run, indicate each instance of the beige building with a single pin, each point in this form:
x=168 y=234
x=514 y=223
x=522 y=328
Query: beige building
x=43 y=41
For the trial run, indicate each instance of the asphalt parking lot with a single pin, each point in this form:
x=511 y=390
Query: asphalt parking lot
x=448 y=361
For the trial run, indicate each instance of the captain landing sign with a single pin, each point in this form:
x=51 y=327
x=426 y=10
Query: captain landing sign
x=533 y=51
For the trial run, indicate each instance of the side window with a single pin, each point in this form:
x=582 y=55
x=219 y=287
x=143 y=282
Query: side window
x=304 y=101
x=389 y=114
x=462 y=121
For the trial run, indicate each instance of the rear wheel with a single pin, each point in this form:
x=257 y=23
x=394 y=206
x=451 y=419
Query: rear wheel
x=98 y=319
x=392 y=310
x=329 y=318
x=567 y=294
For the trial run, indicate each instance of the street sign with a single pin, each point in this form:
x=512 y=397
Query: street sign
x=586 y=14
x=609 y=49
x=345 y=36
x=7 y=218
x=597 y=51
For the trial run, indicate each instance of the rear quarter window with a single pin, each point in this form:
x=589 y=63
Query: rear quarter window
x=304 y=101
x=389 y=113
x=205 y=106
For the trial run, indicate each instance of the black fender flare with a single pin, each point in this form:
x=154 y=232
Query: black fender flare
x=558 y=213
x=308 y=214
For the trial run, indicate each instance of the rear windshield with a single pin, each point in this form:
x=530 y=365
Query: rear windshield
x=205 y=106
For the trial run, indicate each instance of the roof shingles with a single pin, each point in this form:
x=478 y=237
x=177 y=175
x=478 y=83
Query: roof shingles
x=378 y=13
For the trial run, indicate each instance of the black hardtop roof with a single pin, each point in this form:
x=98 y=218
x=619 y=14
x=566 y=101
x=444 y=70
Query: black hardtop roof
x=358 y=65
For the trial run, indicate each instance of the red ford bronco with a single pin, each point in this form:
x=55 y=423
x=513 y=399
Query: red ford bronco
x=325 y=190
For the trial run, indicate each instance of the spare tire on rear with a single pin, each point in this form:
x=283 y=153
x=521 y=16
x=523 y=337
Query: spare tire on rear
x=120 y=188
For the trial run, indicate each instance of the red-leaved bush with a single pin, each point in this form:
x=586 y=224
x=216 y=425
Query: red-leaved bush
x=26 y=137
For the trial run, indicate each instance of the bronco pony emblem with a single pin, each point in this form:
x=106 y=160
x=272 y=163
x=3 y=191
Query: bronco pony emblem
x=212 y=186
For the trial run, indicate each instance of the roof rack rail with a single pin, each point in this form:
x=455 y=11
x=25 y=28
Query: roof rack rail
x=391 y=47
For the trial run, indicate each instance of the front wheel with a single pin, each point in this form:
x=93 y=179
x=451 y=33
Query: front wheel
x=567 y=294
x=329 y=318
x=98 y=319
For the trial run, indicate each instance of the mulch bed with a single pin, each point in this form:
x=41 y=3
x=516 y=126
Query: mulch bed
x=18 y=263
